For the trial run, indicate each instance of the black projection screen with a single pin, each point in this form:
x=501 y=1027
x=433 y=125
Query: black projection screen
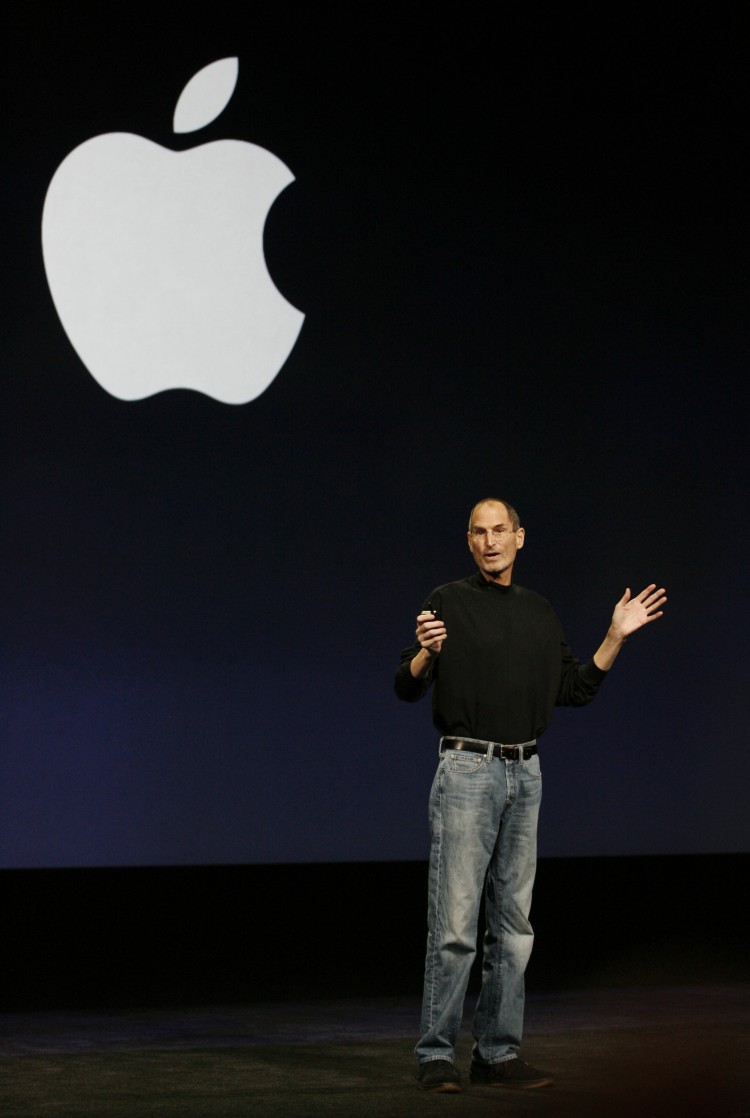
x=520 y=250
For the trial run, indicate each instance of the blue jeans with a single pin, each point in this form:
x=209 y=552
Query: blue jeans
x=483 y=822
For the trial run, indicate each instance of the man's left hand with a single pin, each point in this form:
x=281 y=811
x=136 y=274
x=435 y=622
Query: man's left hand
x=633 y=613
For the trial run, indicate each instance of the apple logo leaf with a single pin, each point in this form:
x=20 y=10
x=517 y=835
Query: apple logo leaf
x=206 y=95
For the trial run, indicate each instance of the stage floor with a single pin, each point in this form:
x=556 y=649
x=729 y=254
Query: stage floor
x=676 y=1051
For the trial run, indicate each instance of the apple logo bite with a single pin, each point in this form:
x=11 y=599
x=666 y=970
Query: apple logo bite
x=154 y=258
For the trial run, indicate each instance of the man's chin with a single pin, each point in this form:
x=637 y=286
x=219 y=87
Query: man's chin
x=495 y=568
x=493 y=571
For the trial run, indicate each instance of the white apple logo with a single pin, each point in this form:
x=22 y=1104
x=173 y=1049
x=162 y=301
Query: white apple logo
x=154 y=258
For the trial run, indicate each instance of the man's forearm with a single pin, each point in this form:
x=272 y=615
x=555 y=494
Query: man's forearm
x=421 y=664
x=607 y=652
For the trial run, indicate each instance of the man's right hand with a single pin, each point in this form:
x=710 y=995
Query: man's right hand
x=430 y=633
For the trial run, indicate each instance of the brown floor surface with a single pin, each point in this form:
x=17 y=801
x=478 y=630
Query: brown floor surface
x=677 y=1052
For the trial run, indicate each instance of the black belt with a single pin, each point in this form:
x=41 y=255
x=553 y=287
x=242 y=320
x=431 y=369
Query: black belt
x=490 y=748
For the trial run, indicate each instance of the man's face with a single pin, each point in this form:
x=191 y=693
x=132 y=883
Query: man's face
x=493 y=541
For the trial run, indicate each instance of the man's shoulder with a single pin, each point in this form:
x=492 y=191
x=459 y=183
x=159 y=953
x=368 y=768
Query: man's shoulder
x=527 y=595
x=532 y=599
x=468 y=585
x=520 y=596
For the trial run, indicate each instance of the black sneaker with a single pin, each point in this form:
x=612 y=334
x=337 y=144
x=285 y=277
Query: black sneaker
x=510 y=1073
x=439 y=1076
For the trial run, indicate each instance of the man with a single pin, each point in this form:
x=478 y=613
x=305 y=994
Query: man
x=495 y=656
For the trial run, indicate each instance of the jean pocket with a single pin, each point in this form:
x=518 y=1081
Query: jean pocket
x=532 y=765
x=463 y=762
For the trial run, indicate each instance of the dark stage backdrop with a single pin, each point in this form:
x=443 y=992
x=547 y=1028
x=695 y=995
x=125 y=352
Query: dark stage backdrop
x=521 y=252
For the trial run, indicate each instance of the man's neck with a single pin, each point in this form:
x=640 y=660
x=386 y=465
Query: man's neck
x=503 y=578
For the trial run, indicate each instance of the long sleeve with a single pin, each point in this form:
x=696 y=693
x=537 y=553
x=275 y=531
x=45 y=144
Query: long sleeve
x=405 y=685
x=579 y=683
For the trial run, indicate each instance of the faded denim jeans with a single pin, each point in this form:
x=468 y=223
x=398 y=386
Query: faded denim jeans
x=483 y=823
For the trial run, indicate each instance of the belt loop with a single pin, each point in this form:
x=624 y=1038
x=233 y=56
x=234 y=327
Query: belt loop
x=490 y=751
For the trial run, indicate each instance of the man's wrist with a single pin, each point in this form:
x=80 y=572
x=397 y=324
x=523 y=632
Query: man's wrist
x=422 y=662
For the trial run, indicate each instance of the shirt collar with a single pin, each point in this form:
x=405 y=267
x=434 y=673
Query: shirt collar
x=481 y=583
